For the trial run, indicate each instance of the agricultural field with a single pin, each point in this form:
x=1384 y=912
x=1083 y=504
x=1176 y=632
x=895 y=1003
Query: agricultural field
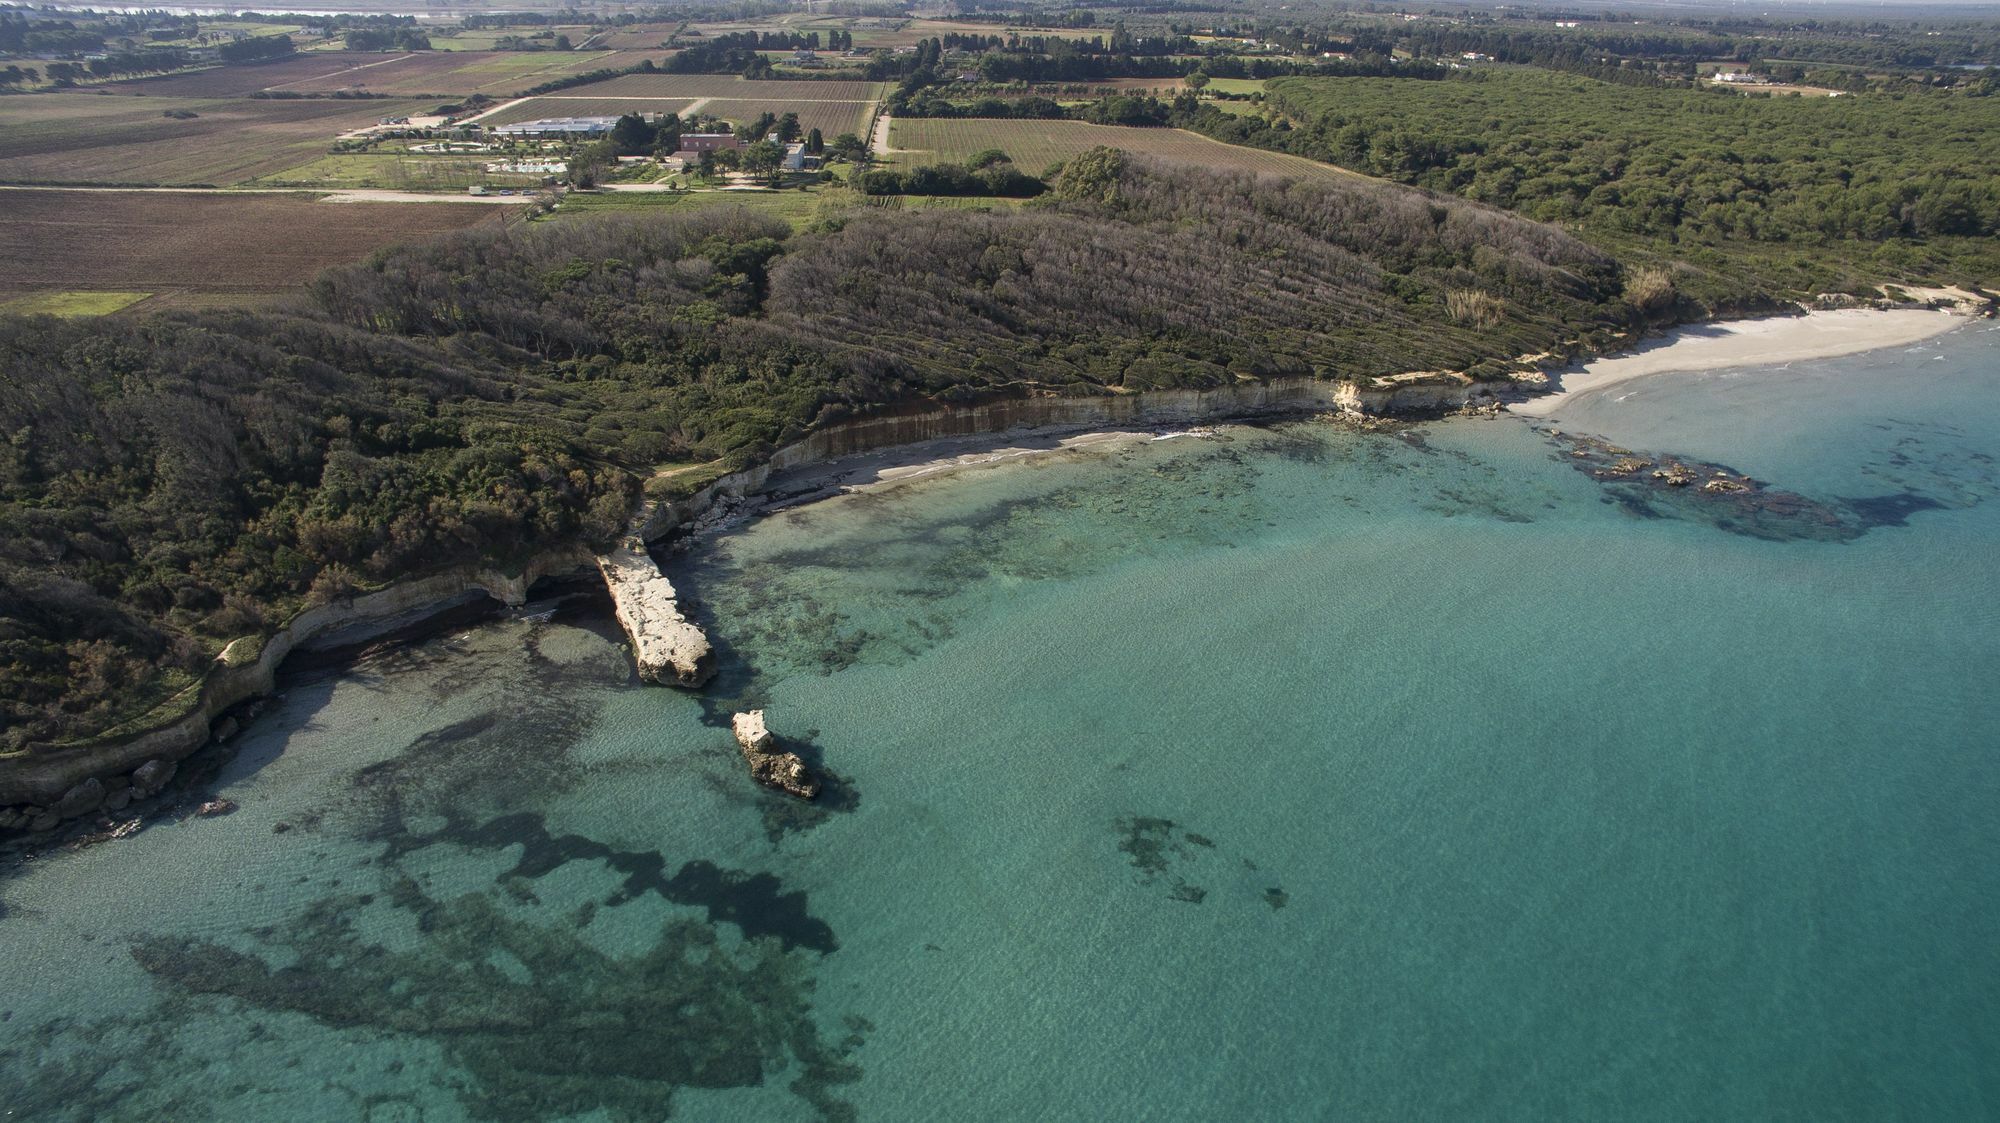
x=1035 y=145
x=728 y=86
x=800 y=208
x=397 y=171
x=966 y=92
x=538 y=108
x=425 y=74
x=1159 y=87
x=795 y=207
x=84 y=138
x=831 y=118
x=833 y=107
x=196 y=247
x=871 y=32
x=638 y=37
x=244 y=79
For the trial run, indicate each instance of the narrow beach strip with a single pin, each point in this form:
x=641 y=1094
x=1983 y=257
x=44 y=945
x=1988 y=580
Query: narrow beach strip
x=1748 y=343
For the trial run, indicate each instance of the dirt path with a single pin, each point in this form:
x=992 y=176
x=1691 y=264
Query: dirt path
x=338 y=73
x=505 y=105
x=879 y=142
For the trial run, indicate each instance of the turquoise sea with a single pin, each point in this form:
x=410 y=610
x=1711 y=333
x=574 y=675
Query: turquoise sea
x=1300 y=773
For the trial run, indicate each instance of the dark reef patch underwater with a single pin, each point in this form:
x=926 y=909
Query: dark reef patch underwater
x=1656 y=485
x=543 y=1022
x=539 y=1009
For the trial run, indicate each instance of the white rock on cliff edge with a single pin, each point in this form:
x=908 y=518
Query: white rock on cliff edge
x=668 y=647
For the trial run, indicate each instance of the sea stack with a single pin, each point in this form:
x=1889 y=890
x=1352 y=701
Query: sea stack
x=668 y=647
x=770 y=765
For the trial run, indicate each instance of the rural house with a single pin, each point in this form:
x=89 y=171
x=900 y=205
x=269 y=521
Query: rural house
x=698 y=143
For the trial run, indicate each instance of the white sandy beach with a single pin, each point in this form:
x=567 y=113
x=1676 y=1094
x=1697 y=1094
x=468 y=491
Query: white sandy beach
x=1741 y=343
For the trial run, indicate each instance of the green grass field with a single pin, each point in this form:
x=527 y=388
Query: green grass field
x=70 y=303
x=795 y=207
x=395 y=171
x=1035 y=145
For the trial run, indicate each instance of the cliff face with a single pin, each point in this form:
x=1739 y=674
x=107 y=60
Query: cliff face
x=43 y=776
x=666 y=645
x=1152 y=407
x=1277 y=396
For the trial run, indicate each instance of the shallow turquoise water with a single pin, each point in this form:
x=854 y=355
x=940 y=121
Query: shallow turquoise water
x=1303 y=773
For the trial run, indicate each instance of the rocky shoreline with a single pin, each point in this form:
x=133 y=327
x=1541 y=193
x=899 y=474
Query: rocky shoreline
x=42 y=788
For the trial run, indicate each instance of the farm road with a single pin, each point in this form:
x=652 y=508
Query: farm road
x=350 y=195
x=337 y=73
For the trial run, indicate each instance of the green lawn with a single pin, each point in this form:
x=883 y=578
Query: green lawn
x=794 y=206
x=71 y=303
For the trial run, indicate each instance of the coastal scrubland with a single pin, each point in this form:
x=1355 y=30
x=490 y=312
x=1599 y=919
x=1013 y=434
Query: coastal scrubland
x=1799 y=194
x=172 y=482
x=1035 y=145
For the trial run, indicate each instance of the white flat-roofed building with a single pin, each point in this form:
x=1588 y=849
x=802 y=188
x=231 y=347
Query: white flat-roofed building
x=557 y=126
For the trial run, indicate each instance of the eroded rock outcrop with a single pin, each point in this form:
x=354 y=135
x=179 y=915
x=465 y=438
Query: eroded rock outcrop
x=668 y=647
x=770 y=765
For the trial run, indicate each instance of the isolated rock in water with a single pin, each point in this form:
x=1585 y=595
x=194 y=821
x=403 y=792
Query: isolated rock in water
x=216 y=807
x=668 y=648
x=751 y=733
x=80 y=800
x=769 y=765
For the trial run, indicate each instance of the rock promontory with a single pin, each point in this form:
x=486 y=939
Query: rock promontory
x=668 y=647
x=770 y=765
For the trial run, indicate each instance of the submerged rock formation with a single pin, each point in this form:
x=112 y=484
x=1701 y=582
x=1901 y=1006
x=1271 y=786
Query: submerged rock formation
x=770 y=765
x=668 y=648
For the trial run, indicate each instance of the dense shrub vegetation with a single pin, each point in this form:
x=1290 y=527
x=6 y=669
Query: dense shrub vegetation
x=168 y=484
x=1870 y=186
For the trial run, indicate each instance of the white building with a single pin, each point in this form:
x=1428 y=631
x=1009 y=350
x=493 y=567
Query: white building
x=558 y=126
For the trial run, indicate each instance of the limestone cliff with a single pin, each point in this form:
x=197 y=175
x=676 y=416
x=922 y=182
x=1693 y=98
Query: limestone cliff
x=247 y=669
x=668 y=647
